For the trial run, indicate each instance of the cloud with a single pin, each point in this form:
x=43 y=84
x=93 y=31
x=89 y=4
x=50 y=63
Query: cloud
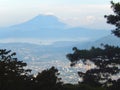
x=90 y=16
x=82 y=15
x=90 y=19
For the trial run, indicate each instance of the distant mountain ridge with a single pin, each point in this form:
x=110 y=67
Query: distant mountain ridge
x=49 y=27
x=109 y=39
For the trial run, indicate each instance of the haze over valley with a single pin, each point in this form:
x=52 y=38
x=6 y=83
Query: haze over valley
x=44 y=41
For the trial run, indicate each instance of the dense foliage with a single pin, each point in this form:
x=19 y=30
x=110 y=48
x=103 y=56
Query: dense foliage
x=106 y=59
x=12 y=71
x=114 y=19
x=13 y=75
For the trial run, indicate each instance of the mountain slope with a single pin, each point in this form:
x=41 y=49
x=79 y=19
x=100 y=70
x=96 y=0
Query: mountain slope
x=110 y=40
x=41 y=22
x=49 y=27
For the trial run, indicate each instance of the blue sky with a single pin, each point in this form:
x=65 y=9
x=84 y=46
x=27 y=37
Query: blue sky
x=83 y=13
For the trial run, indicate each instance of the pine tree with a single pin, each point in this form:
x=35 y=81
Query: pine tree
x=106 y=59
x=114 y=19
x=12 y=72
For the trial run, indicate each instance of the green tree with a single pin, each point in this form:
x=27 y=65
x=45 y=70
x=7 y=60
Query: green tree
x=114 y=19
x=48 y=80
x=14 y=76
x=12 y=72
x=115 y=86
x=106 y=59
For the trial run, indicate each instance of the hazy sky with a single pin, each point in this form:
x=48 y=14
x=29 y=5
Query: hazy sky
x=83 y=13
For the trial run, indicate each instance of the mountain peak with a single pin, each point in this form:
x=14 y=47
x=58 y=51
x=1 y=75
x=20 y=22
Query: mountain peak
x=44 y=17
x=47 y=21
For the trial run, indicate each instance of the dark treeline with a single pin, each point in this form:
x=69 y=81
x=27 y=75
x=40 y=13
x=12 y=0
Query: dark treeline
x=14 y=76
x=107 y=62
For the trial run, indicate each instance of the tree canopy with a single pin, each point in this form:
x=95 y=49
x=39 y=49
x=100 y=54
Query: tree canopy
x=106 y=59
x=114 y=19
x=14 y=76
x=11 y=70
